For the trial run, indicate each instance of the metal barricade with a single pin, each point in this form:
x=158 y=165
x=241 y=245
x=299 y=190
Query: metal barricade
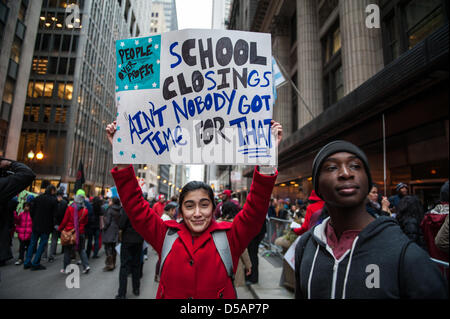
x=275 y=228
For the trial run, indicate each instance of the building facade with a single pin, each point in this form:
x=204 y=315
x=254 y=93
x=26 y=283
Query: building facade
x=70 y=95
x=18 y=29
x=359 y=66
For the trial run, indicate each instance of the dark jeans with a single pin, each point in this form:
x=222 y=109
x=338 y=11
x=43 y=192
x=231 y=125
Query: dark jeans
x=43 y=240
x=24 y=244
x=68 y=253
x=253 y=254
x=130 y=262
x=92 y=235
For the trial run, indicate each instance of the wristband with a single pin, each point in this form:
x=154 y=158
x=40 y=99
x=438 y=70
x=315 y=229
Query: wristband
x=268 y=169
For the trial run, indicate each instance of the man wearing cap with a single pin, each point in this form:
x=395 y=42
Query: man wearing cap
x=225 y=196
x=402 y=190
x=159 y=205
x=351 y=254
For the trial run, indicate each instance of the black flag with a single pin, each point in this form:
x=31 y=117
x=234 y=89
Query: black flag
x=80 y=177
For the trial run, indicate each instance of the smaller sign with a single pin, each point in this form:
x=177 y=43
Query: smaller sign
x=290 y=254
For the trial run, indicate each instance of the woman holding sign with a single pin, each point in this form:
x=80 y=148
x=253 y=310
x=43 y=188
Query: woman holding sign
x=199 y=256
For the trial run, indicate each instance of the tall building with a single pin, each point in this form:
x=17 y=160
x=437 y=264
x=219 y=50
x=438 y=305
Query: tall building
x=69 y=98
x=220 y=14
x=18 y=29
x=360 y=66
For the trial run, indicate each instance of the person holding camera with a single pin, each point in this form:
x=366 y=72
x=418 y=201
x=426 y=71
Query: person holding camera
x=14 y=178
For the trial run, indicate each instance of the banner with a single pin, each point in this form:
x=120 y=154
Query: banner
x=195 y=97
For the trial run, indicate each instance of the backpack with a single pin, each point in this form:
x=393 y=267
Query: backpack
x=220 y=240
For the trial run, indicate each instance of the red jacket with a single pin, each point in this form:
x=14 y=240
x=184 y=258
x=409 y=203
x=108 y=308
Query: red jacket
x=159 y=208
x=194 y=268
x=310 y=210
x=68 y=221
x=23 y=225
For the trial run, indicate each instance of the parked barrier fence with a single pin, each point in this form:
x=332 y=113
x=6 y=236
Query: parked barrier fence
x=275 y=228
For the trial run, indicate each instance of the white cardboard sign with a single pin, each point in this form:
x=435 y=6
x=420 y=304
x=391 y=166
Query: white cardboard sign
x=195 y=97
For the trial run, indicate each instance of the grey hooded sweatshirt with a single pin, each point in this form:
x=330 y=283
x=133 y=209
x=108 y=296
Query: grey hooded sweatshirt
x=382 y=263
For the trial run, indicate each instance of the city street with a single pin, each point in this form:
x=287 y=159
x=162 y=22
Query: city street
x=17 y=283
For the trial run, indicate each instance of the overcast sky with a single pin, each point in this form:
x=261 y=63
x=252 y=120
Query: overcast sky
x=194 y=14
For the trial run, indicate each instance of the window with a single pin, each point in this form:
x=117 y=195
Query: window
x=40 y=89
x=40 y=65
x=56 y=42
x=66 y=43
x=45 y=42
x=60 y=114
x=331 y=43
x=65 y=91
x=406 y=23
x=47 y=113
x=31 y=113
x=48 y=90
x=62 y=67
x=71 y=66
x=333 y=87
x=8 y=91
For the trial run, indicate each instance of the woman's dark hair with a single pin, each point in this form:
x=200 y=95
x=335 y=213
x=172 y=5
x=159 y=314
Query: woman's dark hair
x=116 y=201
x=193 y=186
x=410 y=206
x=229 y=210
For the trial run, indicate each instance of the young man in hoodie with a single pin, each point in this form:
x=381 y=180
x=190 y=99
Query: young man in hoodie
x=351 y=254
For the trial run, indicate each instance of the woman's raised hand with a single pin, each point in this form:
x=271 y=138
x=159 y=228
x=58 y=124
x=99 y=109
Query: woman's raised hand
x=111 y=130
x=277 y=131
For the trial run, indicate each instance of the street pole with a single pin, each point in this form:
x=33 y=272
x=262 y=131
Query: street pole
x=229 y=177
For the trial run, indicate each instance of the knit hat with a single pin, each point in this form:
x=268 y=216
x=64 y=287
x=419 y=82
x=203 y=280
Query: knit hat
x=400 y=186
x=332 y=148
x=81 y=192
x=444 y=192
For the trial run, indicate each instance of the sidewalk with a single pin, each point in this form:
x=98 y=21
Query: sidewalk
x=268 y=286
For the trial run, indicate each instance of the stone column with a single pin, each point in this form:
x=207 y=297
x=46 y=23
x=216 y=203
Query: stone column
x=281 y=46
x=309 y=61
x=362 y=51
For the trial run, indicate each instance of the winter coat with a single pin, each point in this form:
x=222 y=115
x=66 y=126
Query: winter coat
x=441 y=239
x=94 y=218
x=193 y=268
x=13 y=183
x=68 y=221
x=111 y=224
x=23 y=225
x=371 y=269
x=43 y=210
x=159 y=208
x=129 y=235
x=430 y=225
x=317 y=204
x=60 y=212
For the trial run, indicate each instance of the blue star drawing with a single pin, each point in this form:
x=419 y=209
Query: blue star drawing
x=133 y=156
x=119 y=140
x=118 y=128
x=121 y=153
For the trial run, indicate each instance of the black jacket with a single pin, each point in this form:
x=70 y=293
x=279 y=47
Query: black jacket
x=129 y=235
x=43 y=211
x=15 y=179
x=60 y=212
x=372 y=269
x=411 y=227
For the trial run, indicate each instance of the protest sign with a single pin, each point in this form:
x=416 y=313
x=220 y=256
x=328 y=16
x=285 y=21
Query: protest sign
x=195 y=97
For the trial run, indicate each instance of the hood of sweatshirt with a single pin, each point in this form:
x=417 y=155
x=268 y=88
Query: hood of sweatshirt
x=313 y=196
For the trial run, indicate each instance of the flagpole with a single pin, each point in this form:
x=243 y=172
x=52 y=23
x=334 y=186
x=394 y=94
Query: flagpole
x=293 y=85
x=384 y=153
